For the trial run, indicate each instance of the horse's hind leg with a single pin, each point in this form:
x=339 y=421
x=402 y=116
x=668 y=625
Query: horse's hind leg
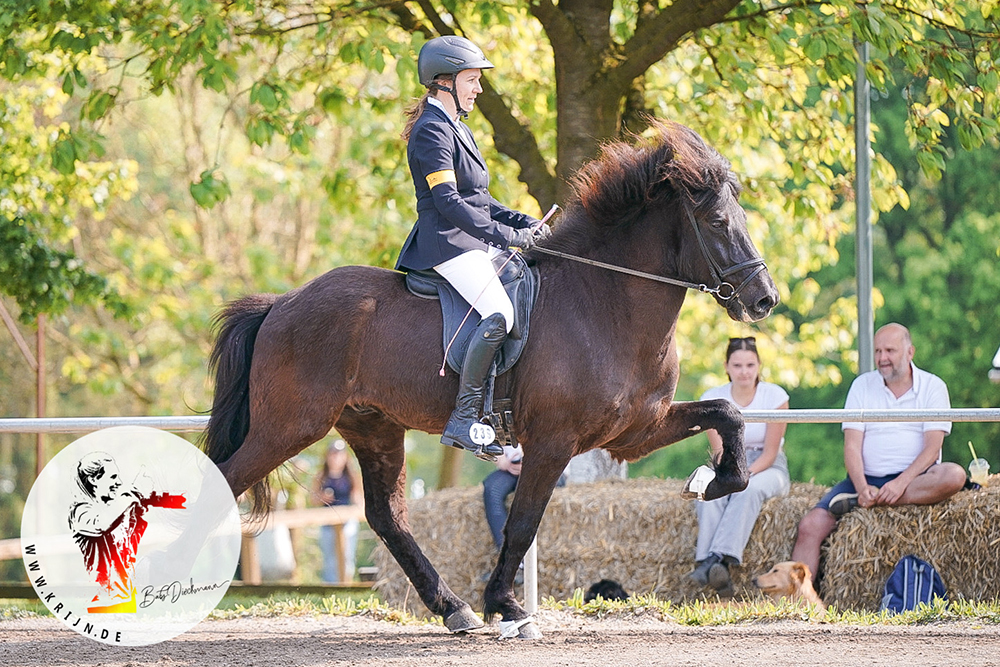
x=378 y=444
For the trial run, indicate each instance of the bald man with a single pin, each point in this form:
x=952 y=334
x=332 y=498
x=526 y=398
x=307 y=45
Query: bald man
x=888 y=463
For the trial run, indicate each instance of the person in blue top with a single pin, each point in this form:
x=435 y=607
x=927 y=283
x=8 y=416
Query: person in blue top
x=460 y=227
x=338 y=484
x=725 y=524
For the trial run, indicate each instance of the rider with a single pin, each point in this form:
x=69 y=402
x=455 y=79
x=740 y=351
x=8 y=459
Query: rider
x=460 y=228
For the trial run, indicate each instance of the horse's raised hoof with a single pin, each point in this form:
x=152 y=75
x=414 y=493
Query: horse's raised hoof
x=522 y=629
x=463 y=620
x=697 y=483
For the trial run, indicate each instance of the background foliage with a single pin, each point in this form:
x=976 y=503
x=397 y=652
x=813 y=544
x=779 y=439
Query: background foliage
x=159 y=157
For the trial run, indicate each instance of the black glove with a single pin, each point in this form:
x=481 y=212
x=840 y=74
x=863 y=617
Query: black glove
x=529 y=236
x=522 y=238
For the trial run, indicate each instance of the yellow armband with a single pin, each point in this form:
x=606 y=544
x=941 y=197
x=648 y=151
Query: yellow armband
x=443 y=176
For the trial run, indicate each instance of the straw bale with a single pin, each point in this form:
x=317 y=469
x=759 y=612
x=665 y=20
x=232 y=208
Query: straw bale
x=640 y=533
x=959 y=537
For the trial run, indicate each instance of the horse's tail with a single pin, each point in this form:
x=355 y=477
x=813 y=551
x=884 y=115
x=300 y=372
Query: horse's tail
x=237 y=326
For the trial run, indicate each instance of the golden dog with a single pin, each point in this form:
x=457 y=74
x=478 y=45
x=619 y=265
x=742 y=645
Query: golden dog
x=791 y=580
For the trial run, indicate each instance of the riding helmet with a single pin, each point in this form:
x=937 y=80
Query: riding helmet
x=449 y=54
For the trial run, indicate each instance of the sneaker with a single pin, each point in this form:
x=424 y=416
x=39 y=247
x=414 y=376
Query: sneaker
x=842 y=503
x=718 y=578
x=699 y=575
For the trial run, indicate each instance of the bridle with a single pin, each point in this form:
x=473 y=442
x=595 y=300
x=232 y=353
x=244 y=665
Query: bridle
x=723 y=290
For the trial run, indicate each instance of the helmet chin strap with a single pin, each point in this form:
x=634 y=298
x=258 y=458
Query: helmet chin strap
x=462 y=113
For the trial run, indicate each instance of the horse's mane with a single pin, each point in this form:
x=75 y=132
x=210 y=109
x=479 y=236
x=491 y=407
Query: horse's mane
x=617 y=186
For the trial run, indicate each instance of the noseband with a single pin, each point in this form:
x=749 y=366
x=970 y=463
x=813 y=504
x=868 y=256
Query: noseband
x=724 y=289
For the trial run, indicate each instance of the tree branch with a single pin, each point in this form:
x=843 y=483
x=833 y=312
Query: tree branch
x=660 y=34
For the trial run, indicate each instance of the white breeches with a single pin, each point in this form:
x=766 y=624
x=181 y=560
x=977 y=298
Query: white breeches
x=473 y=275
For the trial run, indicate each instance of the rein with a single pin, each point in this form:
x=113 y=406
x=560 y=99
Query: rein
x=724 y=291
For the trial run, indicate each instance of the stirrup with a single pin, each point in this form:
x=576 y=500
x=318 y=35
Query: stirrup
x=483 y=439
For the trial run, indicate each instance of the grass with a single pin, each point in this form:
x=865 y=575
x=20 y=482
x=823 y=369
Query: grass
x=762 y=610
x=694 y=613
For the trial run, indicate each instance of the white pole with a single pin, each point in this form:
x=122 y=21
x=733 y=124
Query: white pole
x=863 y=201
x=531 y=578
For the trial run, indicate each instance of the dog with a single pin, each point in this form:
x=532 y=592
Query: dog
x=789 y=579
x=608 y=589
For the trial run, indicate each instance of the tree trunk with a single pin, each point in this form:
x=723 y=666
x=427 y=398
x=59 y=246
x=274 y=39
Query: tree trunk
x=451 y=467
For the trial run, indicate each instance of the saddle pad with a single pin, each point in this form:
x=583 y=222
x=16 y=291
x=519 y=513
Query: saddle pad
x=521 y=284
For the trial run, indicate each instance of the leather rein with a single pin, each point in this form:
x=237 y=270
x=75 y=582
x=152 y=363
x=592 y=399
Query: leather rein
x=724 y=291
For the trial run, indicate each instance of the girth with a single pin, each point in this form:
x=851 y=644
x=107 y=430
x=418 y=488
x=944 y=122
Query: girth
x=521 y=284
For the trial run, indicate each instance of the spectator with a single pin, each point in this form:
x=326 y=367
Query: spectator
x=587 y=467
x=724 y=524
x=497 y=486
x=338 y=484
x=888 y=463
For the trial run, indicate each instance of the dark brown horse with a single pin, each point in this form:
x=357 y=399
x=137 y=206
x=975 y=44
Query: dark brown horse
x=353 y=350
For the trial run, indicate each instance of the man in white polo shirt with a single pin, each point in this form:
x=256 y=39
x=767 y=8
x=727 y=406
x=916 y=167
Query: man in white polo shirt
x=888 y=463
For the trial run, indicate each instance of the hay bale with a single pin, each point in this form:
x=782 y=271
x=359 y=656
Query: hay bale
x=638 y=532
x=960 y=537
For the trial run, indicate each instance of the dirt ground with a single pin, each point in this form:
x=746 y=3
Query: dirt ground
x=568 y=640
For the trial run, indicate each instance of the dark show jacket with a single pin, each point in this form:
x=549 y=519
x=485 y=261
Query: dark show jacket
x=455 y=211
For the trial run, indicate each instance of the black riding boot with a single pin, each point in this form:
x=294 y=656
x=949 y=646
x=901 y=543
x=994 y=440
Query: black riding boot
x=483 y=347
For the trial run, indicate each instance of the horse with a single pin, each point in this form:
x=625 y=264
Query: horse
x=353 y=350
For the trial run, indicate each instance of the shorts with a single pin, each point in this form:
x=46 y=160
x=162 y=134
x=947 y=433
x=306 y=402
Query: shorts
x=847 y=486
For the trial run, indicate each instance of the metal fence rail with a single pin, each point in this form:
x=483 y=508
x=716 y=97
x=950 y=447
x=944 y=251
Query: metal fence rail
x=195 y=423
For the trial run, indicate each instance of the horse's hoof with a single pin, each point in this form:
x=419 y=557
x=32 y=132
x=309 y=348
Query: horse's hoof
x=696 y=484
x=522 y=629
x=463 y=620
x=529 y=631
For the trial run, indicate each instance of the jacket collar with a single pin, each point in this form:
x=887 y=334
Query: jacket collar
x=463 y=133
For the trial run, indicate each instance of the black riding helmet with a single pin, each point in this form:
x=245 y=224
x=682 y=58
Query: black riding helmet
x=449 y=55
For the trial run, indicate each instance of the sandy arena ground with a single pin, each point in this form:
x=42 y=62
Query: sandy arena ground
x=569 y=640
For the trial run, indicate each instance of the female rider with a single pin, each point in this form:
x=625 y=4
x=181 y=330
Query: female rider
x=460 y=228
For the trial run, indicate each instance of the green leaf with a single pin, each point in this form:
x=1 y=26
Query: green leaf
x=264 y=94
x=64 y=155
x=97 y=105
x=209 y=190
x=815 y=48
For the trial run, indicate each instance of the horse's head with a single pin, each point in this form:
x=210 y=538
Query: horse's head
x=716 y=249
x=668 y=206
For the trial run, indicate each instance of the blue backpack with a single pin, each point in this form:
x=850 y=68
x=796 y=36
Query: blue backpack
x=913 y=581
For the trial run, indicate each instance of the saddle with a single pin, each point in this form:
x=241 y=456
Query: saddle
x=521 y=284
x=520 y=281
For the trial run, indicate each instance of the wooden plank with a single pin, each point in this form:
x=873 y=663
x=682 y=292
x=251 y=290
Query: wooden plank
x=336 y=515
x=312 y=516
x=16 y=591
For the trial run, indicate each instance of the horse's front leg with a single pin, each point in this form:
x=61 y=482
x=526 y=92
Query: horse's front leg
x=539 y=475
x=731 y=474
x=682 y=420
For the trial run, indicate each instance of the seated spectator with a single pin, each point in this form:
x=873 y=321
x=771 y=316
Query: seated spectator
x=497 y=486
x=724 y=524
x=338 y=484
x=888 y=463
